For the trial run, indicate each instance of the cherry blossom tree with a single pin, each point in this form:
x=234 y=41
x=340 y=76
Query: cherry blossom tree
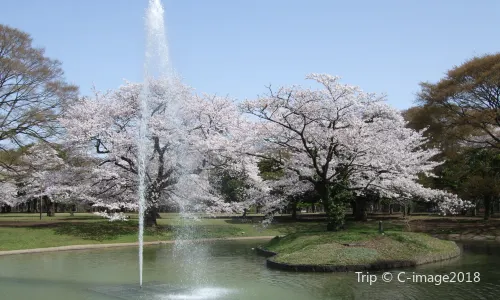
x=339 y=139
x=41 y=175
x=188 y=135
x=8 y=195
x=51 y=173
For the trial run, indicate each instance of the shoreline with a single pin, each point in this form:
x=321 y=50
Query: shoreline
x=376 y=266
x=467 y=237
x=311 y=252
x=117 y=245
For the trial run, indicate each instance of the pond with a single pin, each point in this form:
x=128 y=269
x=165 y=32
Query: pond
x=228 y=270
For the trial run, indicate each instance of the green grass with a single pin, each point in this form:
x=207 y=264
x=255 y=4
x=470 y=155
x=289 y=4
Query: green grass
x=364 y=247
x=329 y=254
x=25 y=231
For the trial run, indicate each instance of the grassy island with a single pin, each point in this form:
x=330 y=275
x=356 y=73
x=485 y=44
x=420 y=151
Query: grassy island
x=356 y=250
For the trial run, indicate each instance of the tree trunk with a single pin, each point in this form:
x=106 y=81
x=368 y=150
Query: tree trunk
x=152 y=213
x=354 y=207
x=390 y=209
x=150 y=216
x=41 y=210
x=335 y=212
x=49 y=205
x=361 y=211
x=244 y=213
x=294 y=210
x=487 y=208
x=324 y=192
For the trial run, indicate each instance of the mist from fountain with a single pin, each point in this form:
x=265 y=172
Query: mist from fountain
x=157 y=65
x=158 y=69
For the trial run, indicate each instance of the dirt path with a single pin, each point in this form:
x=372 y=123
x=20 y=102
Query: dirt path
x=116 y=245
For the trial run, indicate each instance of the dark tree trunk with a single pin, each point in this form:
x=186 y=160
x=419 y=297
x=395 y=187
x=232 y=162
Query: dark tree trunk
x=244 y=213
x=361 y=211
x=390 y=209
x=150 y=216
x=324 y=192
x=294 y=210
x=49 y=206
x=152 y=213
x=335 y=212
x=354 y=207
x=487 y=208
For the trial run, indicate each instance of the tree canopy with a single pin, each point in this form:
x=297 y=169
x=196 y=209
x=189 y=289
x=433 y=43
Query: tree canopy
x=343 y=139
x=469 y=95
x=461 y=113
x=32 y=91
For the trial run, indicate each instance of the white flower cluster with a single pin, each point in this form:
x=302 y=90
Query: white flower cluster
x=329 y=134
x=113 y=216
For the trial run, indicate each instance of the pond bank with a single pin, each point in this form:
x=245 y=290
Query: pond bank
x=116 y=245
x=355 y=251
x=467 y=237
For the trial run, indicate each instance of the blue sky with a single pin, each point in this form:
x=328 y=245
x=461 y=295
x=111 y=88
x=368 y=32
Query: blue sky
x=236 y=48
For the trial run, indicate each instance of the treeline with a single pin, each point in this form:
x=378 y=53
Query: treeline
x=326 y=166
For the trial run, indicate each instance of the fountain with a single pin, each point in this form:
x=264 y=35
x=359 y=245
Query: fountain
x=157 y=64
x=157 y=68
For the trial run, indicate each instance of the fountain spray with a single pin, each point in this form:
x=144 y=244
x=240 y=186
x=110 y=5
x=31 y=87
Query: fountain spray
x=156 y=65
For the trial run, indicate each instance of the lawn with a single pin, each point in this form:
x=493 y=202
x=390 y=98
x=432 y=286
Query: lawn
x=359 y=246
x=25 y=231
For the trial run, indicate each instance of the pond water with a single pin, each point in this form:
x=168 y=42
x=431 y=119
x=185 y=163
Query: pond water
x=227 y=270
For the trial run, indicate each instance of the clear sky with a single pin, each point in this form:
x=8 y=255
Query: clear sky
x=236 y=48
